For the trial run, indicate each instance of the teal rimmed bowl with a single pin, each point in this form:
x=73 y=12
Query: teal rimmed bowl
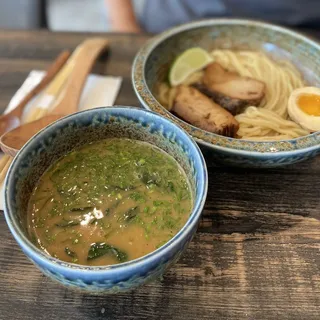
x=152 y=63
x=78 y=129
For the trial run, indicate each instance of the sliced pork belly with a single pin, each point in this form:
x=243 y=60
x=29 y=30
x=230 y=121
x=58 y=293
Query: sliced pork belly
x=197 y=109
x=230 y=90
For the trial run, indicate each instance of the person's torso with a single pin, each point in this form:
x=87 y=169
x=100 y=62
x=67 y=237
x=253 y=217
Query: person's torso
x=160 y=15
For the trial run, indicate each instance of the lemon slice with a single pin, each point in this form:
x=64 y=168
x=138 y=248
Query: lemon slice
x=188 y=62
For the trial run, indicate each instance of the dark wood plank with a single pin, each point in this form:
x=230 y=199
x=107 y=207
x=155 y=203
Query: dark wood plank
x=256 y=254
x=276 y=276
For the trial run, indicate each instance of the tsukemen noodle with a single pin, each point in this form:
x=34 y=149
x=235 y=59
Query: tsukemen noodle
x=241 y=94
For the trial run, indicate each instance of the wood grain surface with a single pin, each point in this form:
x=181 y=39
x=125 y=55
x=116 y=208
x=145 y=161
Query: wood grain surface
x=256 y=254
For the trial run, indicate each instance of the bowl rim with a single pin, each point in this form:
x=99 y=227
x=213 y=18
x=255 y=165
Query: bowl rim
x=244 y=147
x=60 y=265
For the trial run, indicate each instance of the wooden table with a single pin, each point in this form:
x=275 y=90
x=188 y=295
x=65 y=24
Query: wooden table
x=256 y=254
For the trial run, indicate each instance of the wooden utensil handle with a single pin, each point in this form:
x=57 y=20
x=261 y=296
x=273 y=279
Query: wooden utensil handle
x=51 y=72
x=82 y=60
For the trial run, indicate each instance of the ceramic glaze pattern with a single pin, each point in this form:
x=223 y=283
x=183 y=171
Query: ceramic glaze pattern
x=112 y=286
x=78 y=129
x=257 y=161
x=152 y=63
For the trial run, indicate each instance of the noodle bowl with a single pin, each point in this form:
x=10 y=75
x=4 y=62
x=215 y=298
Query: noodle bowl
x=152 y=66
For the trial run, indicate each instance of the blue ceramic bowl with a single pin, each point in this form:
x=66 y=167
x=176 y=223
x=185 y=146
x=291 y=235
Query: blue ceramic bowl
x=78 y=129
x=152 y=63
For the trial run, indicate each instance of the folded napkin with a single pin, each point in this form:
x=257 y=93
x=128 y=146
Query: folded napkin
x=98 y=91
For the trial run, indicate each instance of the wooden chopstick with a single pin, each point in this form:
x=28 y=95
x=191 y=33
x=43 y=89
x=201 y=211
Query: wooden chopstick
x=52 y=71
x=49 y=95
x=3 y=162
x=5 y=168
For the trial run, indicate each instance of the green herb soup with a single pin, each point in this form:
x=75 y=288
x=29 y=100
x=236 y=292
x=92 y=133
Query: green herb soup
x=109 y=202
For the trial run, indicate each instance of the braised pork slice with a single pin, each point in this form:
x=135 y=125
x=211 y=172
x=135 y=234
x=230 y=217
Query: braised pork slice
x=197 y=109
x=230 y=90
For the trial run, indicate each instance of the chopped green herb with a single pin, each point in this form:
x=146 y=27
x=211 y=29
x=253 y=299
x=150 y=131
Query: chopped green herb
x=93 y=221
x=99 y=249
x=67 y=223
x=39 y=222
x=170 y=186
x=42 y=198
x=160 y=244
x=46 y=202
x=137 y=196
x=115 y=205
x=130 y=214
x=34 y=239
x=50 y=238
x=158 y=203
x=69 y=252
x=126 y=188
x=81 y=209
x=150 y=178
x=170 y=222
x=141 y=162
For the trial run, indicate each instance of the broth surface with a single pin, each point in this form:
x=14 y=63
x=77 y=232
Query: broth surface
x=109 y=202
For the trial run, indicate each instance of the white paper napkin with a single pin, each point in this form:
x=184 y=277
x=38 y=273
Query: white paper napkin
x=98 y=91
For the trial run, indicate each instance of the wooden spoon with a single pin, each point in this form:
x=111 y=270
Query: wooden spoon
x=12 y=119
x=82 y=59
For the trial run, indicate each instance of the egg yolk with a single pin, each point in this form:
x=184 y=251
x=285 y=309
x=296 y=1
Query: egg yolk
x=310 y=104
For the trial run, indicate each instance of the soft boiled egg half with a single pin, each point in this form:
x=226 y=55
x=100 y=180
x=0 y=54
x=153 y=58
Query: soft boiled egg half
x=304 y=107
